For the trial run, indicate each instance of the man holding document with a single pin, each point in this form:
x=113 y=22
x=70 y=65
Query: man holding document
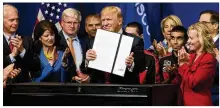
x=111 y=18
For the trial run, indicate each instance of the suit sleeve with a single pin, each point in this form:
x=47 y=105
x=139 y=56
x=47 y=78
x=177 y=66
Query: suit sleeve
x=152 y=70
x=6 y=60
x=139 y=57
x=198 y=75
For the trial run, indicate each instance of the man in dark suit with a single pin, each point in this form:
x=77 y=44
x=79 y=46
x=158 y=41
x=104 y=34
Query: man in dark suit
x=211 y=19
x=111 y=18
x=70 y=23
x=134 y=28
x=151 y=61
x=92 y=23
x=16 y=48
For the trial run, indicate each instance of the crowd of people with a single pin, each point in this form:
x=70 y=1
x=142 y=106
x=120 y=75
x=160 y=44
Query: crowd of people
x=186 y=57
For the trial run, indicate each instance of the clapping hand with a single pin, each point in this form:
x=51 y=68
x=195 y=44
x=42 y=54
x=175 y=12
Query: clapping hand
x=170 y=69
x=159 y=48
x=64 y=57
x=81 y=77
x=18 y=43
x=183 y=56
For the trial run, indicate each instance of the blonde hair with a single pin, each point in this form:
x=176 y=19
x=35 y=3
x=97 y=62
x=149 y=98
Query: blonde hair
x=204 y=35
x=112 y=9
x=173 y=18
x=73 y=13
x=8 y=6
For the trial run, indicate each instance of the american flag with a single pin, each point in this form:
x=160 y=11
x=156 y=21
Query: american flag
x=51 y=12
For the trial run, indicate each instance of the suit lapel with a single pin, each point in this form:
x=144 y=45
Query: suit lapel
x=6 y=46
x=217 y=43
x=63 y=42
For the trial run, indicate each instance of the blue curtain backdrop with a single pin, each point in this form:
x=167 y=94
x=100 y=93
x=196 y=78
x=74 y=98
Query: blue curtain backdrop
x=148 y=14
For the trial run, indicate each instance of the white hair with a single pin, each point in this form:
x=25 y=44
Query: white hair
x=73 y=13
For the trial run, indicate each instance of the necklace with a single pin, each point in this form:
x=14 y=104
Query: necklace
x=48 y=56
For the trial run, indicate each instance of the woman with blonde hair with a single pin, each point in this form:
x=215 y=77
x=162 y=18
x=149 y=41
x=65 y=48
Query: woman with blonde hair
x=197 y=69
x=167 y=24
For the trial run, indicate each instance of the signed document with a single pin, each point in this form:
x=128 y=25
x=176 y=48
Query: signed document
x=111 y=50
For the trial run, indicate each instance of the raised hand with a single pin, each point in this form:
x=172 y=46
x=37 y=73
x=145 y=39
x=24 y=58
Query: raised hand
x=14 y=73
x=91 y=55
x=18 y=43
x=64 y=57
x=129 y=60
x=81 y=78
x=183 y=56
x=161 y=50
x=155 y=44
x=7 y=70
x=14 y=51
x=171 y=69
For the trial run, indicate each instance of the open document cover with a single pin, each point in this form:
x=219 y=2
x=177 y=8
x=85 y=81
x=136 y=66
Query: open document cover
x=111 y=50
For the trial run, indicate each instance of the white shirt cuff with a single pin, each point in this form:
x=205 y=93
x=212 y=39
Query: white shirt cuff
x=131 y=68
x=12 y=58
x=22 y=53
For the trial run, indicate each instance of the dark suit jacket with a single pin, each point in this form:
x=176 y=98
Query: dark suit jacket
x=72 y=67
x=216 y=80
x=22 y=63
x=197 y=80
x=215 y=86
x=89 y=42
x=175 y=78
x=152 y=67
x=96 y=76
x=217 y=43
x=139 y=62
x=130 y=77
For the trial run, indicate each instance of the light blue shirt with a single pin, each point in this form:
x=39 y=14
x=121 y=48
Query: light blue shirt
x=77 y=49
x=11 y=57
x=216 y=38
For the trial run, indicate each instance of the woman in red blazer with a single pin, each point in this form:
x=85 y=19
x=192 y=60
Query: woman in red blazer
x=198 y=68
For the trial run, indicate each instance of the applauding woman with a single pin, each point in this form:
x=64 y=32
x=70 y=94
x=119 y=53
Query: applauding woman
x=49 y=64
x=198 y=68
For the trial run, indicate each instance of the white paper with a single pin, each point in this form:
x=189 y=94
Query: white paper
x=105 y=45
x=123 y=52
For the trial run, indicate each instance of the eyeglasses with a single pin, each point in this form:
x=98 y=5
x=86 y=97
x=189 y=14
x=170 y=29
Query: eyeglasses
x=207 y=22
x=70 y=23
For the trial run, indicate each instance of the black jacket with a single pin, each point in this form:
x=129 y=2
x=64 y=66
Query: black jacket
x=23 y=63
x=72 y=67
x=130 y=77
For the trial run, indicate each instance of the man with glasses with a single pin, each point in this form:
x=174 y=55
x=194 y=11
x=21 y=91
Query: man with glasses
x=211 y=19
x=70 y=23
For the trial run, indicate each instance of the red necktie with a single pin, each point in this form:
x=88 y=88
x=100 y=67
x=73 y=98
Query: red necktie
x=11 y=45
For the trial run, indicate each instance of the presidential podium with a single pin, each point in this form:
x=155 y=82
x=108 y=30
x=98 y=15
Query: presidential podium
x=75 y=94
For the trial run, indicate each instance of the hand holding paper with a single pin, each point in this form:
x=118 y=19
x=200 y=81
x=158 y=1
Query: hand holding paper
x=129 y=60
x=91 y=55
x=111 y=52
